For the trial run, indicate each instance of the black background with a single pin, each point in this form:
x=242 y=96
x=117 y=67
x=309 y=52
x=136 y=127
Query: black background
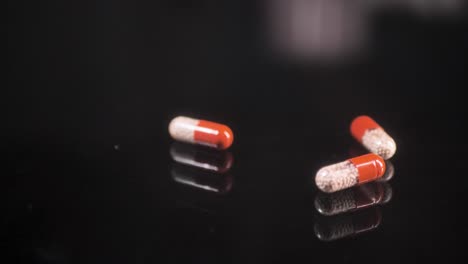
x=93 y=85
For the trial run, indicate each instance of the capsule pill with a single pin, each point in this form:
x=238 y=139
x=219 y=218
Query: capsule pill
x=349 y=173
x=202 y=132
x=370 y=134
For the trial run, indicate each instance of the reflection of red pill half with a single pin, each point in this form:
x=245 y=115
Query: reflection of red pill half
x=365 y=130
x=350 y=173
x=201 y=132
x=200 y=157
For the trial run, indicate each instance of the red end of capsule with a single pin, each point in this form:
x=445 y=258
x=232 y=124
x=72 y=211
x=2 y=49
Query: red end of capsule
x=214 y=134
x=360 y=125
x=369 y=166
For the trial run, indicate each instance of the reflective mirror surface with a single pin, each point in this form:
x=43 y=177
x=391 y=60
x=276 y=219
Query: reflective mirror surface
x=92 y=175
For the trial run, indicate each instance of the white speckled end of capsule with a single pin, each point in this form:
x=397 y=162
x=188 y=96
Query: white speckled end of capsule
x=379 y=142
x=337 y=177
x=182 y=128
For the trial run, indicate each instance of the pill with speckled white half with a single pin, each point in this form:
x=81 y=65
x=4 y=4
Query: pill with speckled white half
x=201 y=132
x=349 y=173
x=372 y=136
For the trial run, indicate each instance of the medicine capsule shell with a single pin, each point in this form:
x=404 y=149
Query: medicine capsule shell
x=349 y=173
x=372 y=136
x=202 y=132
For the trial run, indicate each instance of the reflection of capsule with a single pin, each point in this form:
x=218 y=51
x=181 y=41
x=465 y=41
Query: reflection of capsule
x=355 y=198
x=349 y=173
x=201 y=132
x=365 y=130
x=202 y=158
x=329 y=228
x=218 y=183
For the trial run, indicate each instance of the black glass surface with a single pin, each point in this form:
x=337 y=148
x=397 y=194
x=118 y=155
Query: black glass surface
x=90 y=176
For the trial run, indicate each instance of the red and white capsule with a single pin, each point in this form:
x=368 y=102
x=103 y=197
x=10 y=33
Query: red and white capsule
x=350 y=173
x=201 y=132
x=370 y=134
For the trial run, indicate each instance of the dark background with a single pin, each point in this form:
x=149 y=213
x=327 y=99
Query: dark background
x=91 y=87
